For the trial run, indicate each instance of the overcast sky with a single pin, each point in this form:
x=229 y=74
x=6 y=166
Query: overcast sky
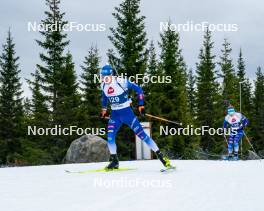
x=248 y=15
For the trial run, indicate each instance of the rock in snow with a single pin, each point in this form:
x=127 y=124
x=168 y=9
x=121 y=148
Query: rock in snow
x=86 y=149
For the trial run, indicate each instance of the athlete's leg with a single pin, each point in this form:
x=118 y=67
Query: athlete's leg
x=237 y=138
x=129 y=118
x=230 y=142
x=114 y=124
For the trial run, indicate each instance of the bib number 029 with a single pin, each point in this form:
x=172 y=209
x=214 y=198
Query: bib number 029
x=114 y=99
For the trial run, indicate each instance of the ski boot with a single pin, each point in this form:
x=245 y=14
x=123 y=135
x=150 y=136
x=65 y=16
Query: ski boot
x=164 y=160
x=230 y=156
x=114 y=163
x=235 y=156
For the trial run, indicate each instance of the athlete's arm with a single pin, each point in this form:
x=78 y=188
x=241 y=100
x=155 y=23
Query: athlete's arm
x=104 y=100
x=138 y=90
x=225 y=124
x=104 y=105
x=244 y=121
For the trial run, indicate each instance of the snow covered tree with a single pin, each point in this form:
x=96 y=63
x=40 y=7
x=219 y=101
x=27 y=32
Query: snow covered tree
x=11 y=110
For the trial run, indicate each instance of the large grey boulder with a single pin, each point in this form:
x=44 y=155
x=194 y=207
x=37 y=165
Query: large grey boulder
x=88 y=148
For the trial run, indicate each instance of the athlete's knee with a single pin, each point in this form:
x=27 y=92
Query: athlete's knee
x=230 y=139
x=139 y=131
x=236 y=146
x=230 y=143
x=146 y=139
x=230 y=147
x=143 y=136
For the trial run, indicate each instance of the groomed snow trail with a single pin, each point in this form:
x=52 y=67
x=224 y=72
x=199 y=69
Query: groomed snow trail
x=194 y=186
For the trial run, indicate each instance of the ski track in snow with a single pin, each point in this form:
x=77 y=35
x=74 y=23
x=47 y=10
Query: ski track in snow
x=194 y=186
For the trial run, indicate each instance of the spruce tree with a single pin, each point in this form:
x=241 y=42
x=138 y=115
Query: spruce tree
x=26 y=107
x=152 y=70
x=173 y=98
x=246 y=95
x=53 y=58
x=152 y=59
x=38 y=105
x=11 y=111
x=207 y=92
x=36 y=148
x=68 y=96
x=57 y=78
x=129 y=38
x=172 y=65
x=191 y=92
x=91 y=94
x=258 y=117
x=153 y=92
x=129 y=55
x=68 y=104
x=230 y=82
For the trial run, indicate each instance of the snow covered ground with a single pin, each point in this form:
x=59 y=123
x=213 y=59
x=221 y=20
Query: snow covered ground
x=194 y=186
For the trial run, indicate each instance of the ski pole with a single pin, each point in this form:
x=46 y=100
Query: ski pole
x=226 y=140
x=96 y=117
x=251 y=146
x=241 y=147
x=226 y=143
x=115 y=69
x=163 y=119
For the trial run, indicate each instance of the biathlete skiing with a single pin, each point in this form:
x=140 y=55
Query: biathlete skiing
x=236 y=122
x=115 y=92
